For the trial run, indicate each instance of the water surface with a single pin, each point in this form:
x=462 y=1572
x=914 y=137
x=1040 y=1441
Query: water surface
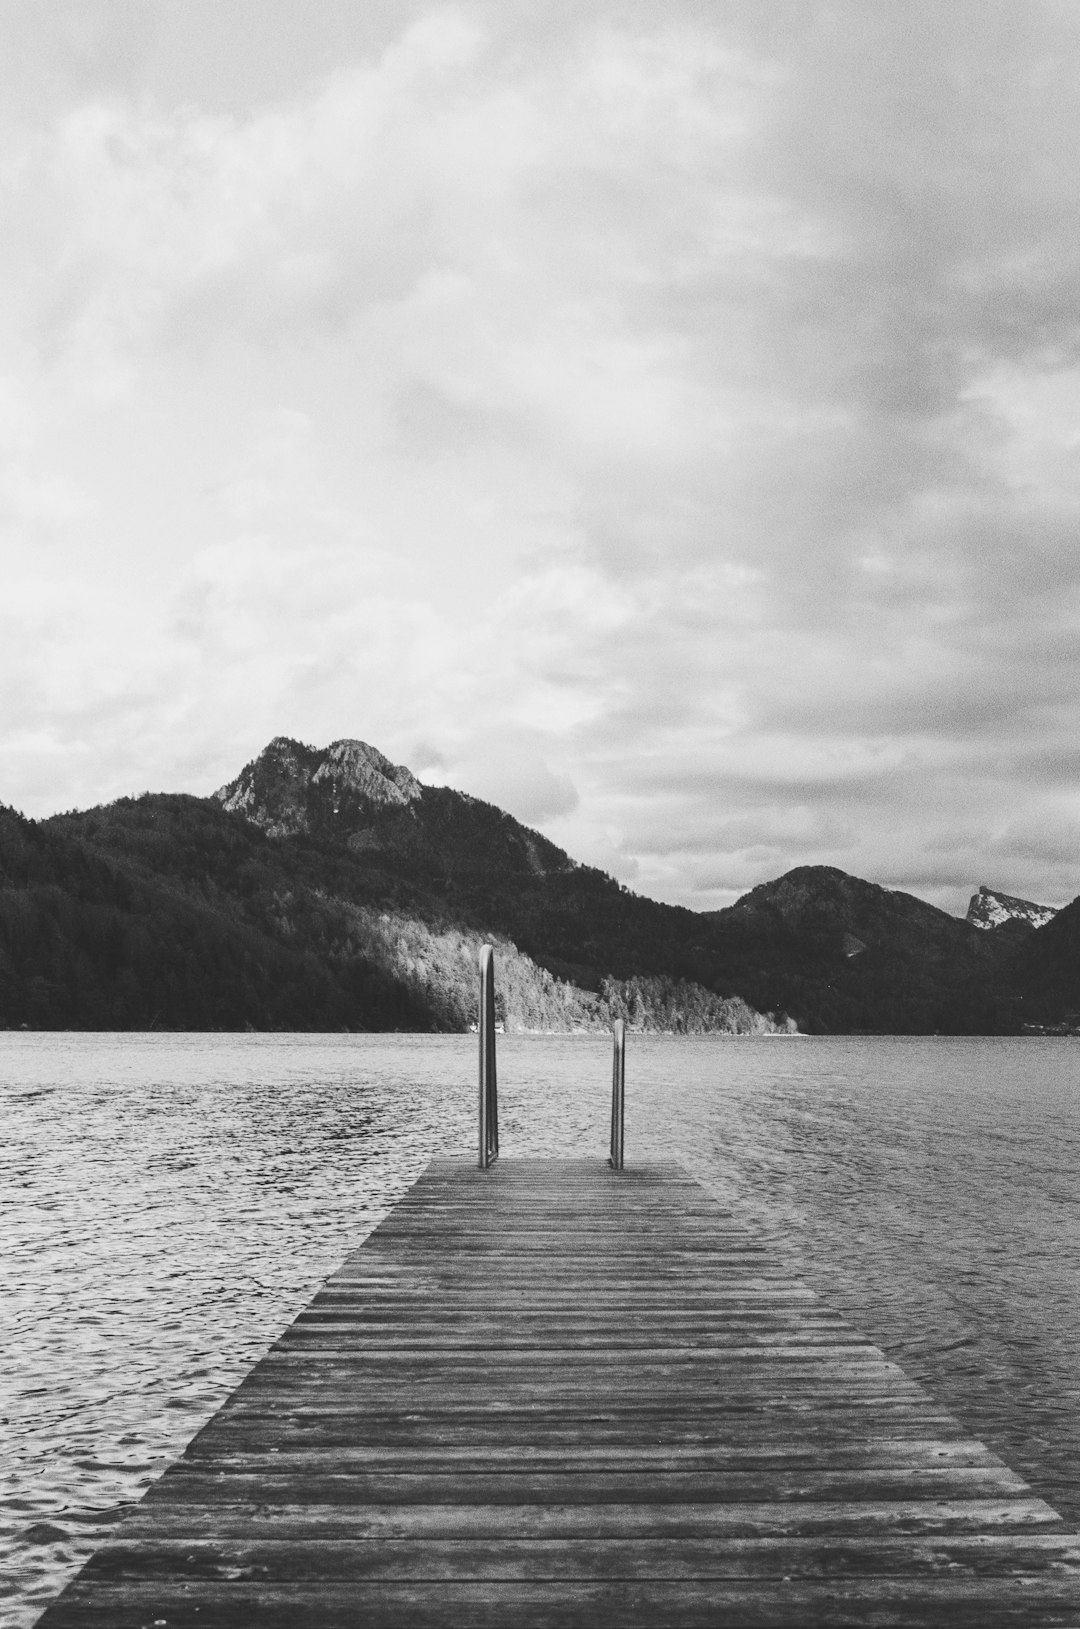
x=168 y=1203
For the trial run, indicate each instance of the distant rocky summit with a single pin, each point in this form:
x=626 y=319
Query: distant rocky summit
x=292 y=788
x=990 y=909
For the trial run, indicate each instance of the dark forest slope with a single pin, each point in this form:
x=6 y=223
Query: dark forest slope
x=1048 y=971
x=93 y=939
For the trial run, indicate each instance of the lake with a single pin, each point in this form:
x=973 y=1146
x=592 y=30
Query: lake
x=169 y=1202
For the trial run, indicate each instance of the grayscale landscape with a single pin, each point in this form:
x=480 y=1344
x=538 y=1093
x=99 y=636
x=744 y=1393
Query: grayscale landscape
x=588 y=493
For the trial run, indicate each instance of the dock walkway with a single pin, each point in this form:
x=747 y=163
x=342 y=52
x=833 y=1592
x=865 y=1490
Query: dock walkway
x=555 y=1394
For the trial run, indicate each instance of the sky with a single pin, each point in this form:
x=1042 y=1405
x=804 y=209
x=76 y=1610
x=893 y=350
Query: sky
x=662 y=421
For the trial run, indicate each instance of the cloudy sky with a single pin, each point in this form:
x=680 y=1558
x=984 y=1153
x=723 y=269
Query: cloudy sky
x=662 y=420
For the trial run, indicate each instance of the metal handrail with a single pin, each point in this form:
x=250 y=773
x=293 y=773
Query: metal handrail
x=618 y=1083
x=488 y=1128
x=489 y=1090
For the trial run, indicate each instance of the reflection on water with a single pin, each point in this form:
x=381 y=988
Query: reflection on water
x=168 y=1203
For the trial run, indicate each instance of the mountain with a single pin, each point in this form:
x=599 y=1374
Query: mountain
x=844 y=955
x=830 y=950
x=1047 y=972
x=990 y=909
x=326 y=888
x=290 y=788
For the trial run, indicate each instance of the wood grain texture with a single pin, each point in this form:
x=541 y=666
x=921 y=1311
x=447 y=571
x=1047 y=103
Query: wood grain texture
x=553 y=1394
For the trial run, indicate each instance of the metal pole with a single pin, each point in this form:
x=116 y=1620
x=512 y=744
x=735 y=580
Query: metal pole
x=618 y=1083
x=493 y=1074
x=489 y=1098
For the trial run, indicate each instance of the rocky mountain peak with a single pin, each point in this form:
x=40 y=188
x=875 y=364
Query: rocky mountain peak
x=848 y=918
x=989 y=909
x=353 y=766
x=290 y=787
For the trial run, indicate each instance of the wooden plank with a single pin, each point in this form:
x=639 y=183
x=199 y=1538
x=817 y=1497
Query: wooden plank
x=881 y=1451
x=1023 y=1601
x=552 y=1394
x=270 y=1434
x=451 y=1503
x=456 y=1518
x=318 y=1556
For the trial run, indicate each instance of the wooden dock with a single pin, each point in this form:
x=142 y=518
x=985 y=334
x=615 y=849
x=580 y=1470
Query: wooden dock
x=552 y=1393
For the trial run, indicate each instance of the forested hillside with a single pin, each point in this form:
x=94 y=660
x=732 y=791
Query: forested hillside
x=328 y=889
x=168 y=912
x=90 y=940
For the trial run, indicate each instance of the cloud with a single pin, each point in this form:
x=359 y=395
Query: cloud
x=667 y=418
x=508 y=767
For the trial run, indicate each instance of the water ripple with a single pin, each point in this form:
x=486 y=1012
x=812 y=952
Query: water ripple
x=169 y=1203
